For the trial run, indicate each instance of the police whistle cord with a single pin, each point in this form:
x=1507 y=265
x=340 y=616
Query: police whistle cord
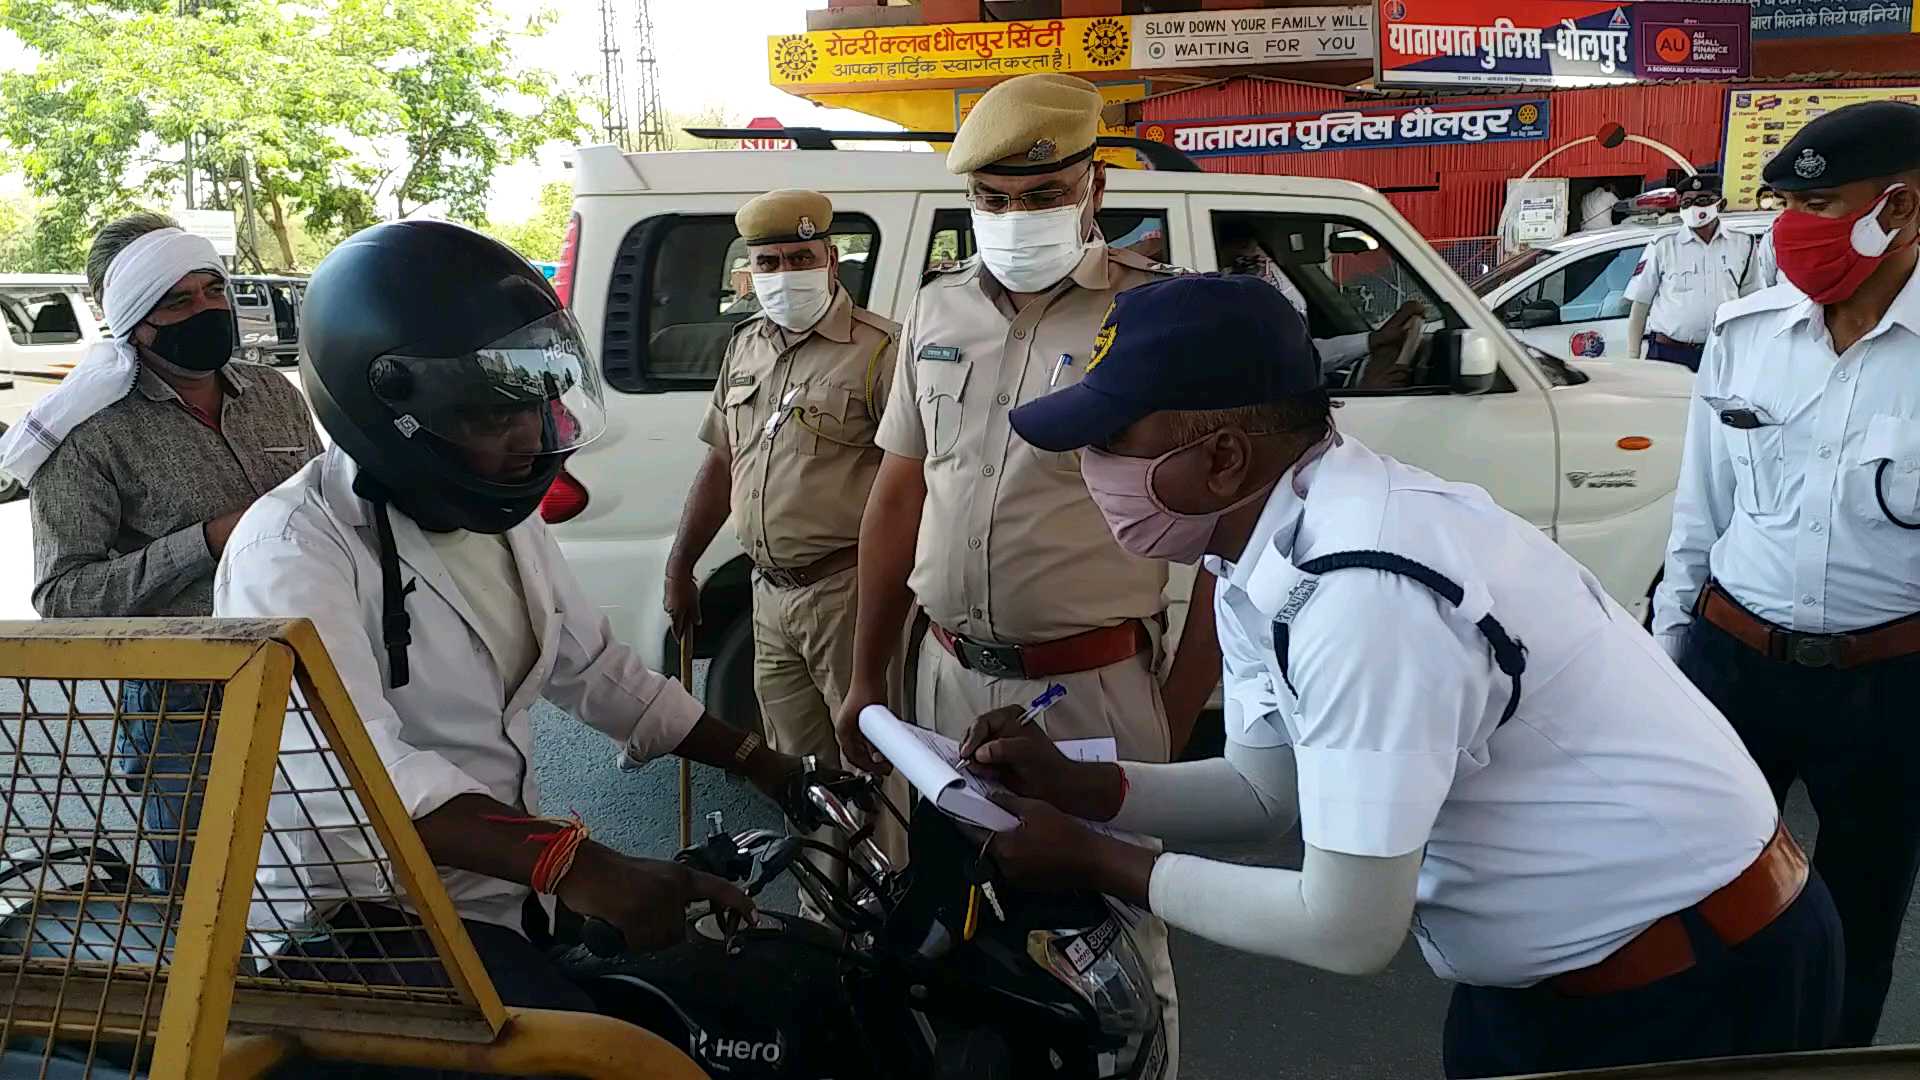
x=1509 y=655
x=562 y=844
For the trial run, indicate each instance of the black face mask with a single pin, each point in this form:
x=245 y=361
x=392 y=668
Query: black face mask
x=201 y=343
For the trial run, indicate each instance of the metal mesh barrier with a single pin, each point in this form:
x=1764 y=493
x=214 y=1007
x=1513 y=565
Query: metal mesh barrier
x=79 y=856
x=204 y=869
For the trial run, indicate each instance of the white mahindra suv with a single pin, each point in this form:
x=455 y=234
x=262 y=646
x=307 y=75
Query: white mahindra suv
x=1569 y=297
x=1589 y=452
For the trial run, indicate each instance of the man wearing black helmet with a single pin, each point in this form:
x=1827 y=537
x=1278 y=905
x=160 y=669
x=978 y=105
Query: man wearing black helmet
x=454 y=385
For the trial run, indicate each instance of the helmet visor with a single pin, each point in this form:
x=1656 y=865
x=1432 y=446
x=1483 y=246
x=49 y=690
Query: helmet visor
x=531 y=393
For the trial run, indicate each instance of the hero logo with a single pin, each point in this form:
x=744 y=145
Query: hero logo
x=724 y=1053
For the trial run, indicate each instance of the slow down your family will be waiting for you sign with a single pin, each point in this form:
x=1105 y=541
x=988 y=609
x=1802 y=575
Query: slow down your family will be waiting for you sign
x=1426 y=125
x=1560 y=42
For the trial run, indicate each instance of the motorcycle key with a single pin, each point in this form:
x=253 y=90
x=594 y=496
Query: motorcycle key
x=981 y=875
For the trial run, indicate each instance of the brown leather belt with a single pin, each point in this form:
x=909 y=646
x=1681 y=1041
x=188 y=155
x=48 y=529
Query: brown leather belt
x=1674 y=341
x=1888 y=641
x=1082 y=652
x=1736 y=911
x=796 y=578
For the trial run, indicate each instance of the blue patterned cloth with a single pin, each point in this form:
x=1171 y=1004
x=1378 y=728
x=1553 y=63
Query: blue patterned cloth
x=176 y=754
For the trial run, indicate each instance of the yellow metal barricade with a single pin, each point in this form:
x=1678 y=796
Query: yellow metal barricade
x=145 y=764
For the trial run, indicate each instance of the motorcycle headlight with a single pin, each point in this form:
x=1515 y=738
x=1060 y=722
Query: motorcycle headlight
x=1103 y=967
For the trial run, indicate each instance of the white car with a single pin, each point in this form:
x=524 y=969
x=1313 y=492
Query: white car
x=1568 y=297
x=48 y=321
x=1587 y=453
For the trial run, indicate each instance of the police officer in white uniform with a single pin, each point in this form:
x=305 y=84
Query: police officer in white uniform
x=1687 y=274
x=1477 y=741
x=1793 y=574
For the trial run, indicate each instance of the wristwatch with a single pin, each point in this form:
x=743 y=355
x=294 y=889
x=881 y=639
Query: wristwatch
x=746 y=748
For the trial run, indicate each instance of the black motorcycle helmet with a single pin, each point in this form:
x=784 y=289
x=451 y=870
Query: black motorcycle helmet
x=446 y=367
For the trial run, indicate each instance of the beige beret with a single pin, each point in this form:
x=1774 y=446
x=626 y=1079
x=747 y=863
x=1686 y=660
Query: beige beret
x=782 y=217
x=1026 y=125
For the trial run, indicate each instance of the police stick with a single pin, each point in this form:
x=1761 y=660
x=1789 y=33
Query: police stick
x=686 y=767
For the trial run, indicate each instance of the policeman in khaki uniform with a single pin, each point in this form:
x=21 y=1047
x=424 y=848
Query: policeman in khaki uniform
x=997 y=542
x=791 y=427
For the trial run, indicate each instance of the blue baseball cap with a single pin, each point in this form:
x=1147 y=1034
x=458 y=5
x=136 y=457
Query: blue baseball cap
x=1197 y=341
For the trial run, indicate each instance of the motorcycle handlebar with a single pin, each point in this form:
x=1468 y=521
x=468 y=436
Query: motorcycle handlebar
x=732 y=858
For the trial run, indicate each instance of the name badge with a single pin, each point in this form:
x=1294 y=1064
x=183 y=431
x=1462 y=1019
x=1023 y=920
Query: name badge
x=944 y=353
x=740 y=380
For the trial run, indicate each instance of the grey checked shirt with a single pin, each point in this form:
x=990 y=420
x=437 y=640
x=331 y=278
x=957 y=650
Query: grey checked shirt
x=118 y=507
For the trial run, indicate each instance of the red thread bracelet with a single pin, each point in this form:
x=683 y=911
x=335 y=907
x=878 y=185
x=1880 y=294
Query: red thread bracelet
x=561 y=845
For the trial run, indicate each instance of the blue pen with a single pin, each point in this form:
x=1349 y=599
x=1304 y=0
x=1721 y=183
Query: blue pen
x=1066 y=360
x=1048 y=698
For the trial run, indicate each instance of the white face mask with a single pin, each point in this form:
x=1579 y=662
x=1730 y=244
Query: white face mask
x=1030 y=250
x=1699 y=217
x=794 y=299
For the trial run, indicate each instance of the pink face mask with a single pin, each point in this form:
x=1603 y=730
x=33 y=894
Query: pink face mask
x=1122 y=487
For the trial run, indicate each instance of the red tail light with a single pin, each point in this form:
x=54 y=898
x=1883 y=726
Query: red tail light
x=564 y=501
x=569 y=256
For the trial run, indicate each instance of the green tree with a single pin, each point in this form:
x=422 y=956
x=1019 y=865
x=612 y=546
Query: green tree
x=338 y=112
x=713 y=116
x=538 y=237
x=16 y=235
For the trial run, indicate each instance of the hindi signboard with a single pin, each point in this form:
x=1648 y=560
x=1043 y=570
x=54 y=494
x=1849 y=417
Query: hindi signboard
x=956 y=54
x=1562 y=43
x=1355 y=129
x=1777 y=19
x=1761 y=122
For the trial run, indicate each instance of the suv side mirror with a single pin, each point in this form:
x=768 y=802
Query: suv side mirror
x=1352 y=242
x=1537 y=314
x=1479 y=364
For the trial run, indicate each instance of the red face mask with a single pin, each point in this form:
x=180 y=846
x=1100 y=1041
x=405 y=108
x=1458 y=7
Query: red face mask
x=1828 y=258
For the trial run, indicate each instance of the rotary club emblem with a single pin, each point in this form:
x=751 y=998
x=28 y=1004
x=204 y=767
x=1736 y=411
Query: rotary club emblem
x=1106 y=41
x=794 y=57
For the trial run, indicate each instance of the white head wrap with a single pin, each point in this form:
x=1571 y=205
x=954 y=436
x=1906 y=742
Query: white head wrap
x=136 y=280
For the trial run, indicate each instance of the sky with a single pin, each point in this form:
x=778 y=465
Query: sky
x=706 y=59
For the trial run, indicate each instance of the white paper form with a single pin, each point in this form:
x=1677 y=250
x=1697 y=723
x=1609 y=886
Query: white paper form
x=928 y=759
x=930 y=762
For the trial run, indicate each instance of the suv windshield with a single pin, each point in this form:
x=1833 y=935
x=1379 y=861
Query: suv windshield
x=1509 y=270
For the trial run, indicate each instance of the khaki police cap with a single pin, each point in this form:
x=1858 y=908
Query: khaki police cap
x=1027 y=125
x=784 y=217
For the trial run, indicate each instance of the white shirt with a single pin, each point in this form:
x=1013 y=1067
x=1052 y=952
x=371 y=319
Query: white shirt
x=1784 y=515
x=1616 y=794
x=308 y=549
x=1686 y=279
x=1767 y=262
x=1335 y=352
x=482 y=566
x=1596 y=210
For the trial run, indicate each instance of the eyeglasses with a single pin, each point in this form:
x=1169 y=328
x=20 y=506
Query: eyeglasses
x=1700 y=198
x=1049 y=198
